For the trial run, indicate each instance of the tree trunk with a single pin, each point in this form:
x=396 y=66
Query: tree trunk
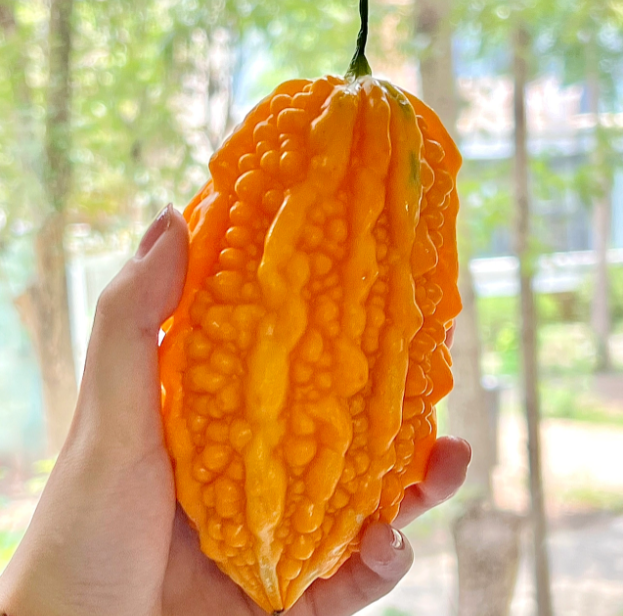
x=44 y=307
x=7 y=17
x=219 y=94
x=528 y=336
x=58 y=130
x=602 y=224
x=26 y=134
x=488 y=546
x=436 y=68
x=45 y=312
x=600 y=309
x=467 y=404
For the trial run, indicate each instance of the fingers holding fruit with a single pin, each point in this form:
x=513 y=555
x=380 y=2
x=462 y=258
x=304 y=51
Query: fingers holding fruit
x=445 y=474
x=384 y=559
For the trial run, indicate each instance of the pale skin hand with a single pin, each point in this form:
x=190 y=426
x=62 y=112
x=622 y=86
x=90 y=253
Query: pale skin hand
x=106 y=537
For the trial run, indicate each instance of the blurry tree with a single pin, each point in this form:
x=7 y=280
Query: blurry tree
x=44 y=306
x=588 y=35
x=128 y=149
x=521 y=50
x=482 y=591
x=156 y=87
x=21 y=98
x=509 y=29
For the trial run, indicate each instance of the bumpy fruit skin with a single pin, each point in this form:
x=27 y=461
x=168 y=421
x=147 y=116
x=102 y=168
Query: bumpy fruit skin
x=301 y=368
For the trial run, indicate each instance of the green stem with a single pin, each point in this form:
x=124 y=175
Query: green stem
x=359 y=65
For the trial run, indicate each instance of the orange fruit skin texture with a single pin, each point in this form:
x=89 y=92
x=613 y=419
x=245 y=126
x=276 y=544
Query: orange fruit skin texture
x=301 y=368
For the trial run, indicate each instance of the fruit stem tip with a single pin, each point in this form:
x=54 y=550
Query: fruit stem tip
x=359 y=64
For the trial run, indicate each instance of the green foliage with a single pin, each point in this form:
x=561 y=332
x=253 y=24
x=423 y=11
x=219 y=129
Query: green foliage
x=597 y=499
x=559 y=308
x=566 y=345
x=549 y=181
x=615 y=278
x=560 y=401
x=486 y=205
x=156 y=87
x=22 y=81
x=585 y=294
x=392 y=611
x=499 y=326
x=566 y=350
x=588 y=36
x=494 y=23
x=571 y=400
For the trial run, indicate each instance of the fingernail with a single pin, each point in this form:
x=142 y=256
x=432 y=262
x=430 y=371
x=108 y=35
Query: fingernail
x=398 y=543
x=469 y=449
x=156 y=229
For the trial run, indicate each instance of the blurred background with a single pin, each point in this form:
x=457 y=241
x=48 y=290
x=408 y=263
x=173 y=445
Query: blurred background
x=111 y=109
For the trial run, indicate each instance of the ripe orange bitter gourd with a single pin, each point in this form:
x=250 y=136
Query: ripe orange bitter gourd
x=301 y=368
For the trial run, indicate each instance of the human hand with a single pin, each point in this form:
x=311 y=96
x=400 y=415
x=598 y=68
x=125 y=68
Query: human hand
x=106 y=537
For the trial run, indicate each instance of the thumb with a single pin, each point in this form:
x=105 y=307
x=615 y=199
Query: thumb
x=119 y=397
